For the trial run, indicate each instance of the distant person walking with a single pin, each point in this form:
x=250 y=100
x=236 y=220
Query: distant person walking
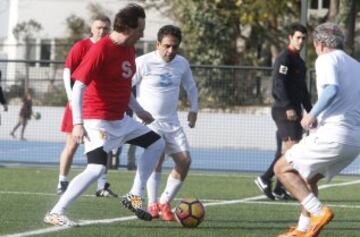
x=24 y=116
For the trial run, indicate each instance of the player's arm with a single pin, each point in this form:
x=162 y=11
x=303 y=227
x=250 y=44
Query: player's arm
x=280 y=80
x=192 y=96
x=67 y=82
x=327 y=96
x=77 y=100
x=145 y=116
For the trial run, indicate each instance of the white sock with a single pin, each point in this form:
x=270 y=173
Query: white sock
x=303 y=223
x=146 y=165
x=62 y=178
x=152 y=186
x=77 y=186
x=172 y=188
x=312 y=204
x=102 y=180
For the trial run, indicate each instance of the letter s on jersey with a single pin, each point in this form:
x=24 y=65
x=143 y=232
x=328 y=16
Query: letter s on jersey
x=126 y=67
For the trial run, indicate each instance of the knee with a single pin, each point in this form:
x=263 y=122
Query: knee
x=278 y=167
x=183 y=162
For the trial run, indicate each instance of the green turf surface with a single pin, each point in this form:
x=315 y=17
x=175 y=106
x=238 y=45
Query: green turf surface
x=26 y=194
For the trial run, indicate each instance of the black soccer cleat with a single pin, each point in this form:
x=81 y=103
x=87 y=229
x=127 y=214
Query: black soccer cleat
x=265 y=187
x=62 y=188
x=134 y=204
x=106 y=192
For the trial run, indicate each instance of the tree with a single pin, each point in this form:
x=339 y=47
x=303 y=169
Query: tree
x=229 y=32
x=26 y=31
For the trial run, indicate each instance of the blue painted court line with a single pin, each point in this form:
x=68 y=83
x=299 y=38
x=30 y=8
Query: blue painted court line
x=227 y=159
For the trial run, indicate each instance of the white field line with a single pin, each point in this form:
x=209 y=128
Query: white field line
x=249 y=200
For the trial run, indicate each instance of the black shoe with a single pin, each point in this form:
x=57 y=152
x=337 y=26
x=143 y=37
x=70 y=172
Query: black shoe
x=62 y=188
x=265 y=187
x=134 y=204
x=105 y=192
x=281 y=195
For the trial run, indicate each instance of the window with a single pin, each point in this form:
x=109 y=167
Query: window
x=45 y=52
x=320 y=4
x=30 y=50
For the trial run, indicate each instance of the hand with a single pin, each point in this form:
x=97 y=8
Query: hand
x=308 y=121
x=291 y=115
x=5 y=107
x=79 y=133
x=192 y=116
x=145 y=116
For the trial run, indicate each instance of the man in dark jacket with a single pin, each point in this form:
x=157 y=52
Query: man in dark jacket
x=291 y=96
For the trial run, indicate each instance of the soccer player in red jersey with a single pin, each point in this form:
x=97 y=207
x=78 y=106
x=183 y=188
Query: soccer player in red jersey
x=99 y=114
x=99 y=28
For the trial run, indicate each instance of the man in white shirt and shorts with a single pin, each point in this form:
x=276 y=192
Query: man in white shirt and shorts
x=335 y=141
x=158 y=77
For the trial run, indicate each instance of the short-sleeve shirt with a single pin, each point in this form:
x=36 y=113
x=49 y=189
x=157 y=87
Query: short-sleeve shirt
x=106 y=70
x=76 y=54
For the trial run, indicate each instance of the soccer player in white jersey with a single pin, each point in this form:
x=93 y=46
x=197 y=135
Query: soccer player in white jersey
x=335 y=141
x=158 y=77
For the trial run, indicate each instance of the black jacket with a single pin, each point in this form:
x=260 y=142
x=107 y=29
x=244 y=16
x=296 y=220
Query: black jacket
x=289 y=87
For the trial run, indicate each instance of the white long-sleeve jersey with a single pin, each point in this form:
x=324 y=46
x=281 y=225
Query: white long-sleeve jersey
x=158 y=85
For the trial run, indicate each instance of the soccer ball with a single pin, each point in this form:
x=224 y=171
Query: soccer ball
x=37 y=115
x=190 y=213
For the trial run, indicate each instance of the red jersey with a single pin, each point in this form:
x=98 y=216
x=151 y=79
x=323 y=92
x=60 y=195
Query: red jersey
x=73 y=60
x=76 y=54
x=107 y=70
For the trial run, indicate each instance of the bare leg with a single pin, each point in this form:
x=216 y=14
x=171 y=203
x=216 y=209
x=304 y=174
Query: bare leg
x=67 y=155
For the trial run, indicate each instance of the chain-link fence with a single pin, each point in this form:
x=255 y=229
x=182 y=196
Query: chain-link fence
x=234 y=131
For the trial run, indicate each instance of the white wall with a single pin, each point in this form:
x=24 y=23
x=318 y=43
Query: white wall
x=213 y=130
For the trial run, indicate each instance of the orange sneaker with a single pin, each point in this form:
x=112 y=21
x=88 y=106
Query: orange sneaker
x=153 y=209
x=166 y=213
x=293 y=232
x=317 y=222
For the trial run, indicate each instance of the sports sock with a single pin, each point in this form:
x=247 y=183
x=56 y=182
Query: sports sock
x=172 y=188
x=77 y=186
x=101 y=182
x=312 y=204
x=62 y=178
x=146 y=165
x=303 y=223
x=152 y=186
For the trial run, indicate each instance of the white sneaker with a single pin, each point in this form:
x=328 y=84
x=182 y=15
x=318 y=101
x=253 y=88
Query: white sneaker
x=58 y=220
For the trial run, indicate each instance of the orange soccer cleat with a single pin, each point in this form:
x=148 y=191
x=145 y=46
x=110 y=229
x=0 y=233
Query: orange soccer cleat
x=166 y=213
x=317 y=222
x=153 y=209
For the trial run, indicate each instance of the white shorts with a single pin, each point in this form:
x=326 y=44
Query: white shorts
x=173 y=134
x=111 y=134
x=313 y=155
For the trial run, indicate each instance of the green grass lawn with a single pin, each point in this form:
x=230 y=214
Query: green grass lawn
x=26 y=194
